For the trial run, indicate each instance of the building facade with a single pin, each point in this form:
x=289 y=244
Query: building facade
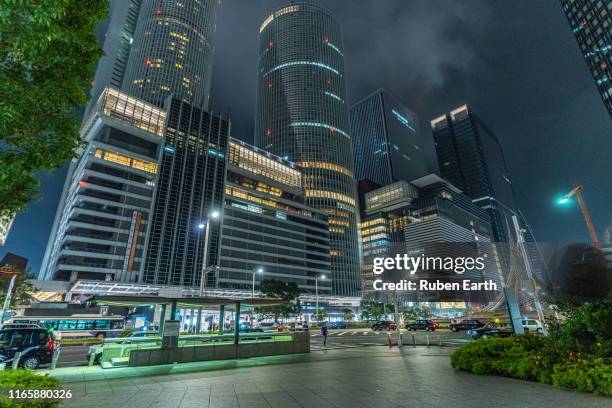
x=471 y=158
x=101 y=221
x=189 y=187
x=117 y=41
x=384 y=215
x=444 y=222
x=302 y=115
x=387 y=143
x=268 y=230
x=591 y=24
x=172 y=51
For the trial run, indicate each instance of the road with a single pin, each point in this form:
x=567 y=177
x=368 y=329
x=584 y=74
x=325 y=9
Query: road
x=71 y=356
x=366 y=337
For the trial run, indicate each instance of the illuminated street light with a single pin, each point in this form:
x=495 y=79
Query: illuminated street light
x=563 y=200
x=213 y=214
x=255 y=270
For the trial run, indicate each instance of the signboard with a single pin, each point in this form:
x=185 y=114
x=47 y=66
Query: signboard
x=171 y=328
x=103 y=310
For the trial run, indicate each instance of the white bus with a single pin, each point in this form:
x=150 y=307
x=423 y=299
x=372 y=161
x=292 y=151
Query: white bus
x=76 y=325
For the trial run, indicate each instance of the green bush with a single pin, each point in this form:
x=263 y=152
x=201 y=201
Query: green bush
x=21 y=379
x=575 y=355
x=585 y=375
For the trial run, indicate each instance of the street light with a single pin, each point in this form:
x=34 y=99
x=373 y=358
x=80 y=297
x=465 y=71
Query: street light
x=577 y=191
x=322 y=277
x=255 y=270
x=214 y=214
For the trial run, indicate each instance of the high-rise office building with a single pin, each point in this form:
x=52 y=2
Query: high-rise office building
x=172 y=51
x=387 y=143
x=428 y=216
x=189 y=188
x=117 y=41
x=302 y=115
x=384 y=215
x=444 y=222
x=267 y=226
x=101 y=221
x=471 y=158
x=6 y=222
x=591 y=23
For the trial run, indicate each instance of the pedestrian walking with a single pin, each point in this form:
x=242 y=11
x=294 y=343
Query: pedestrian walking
x=324 y=333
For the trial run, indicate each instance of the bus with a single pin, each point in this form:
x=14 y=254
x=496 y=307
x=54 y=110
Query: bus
x=76 y=325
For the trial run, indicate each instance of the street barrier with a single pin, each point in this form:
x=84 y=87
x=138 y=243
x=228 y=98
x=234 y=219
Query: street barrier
x=55 y=358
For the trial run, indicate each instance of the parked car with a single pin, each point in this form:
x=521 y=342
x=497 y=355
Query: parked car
x=384 y=325
x=336 y=325
x=422 y=324
x=503 y=329
x=36 y=345
x=532 y=326
x=465 y=324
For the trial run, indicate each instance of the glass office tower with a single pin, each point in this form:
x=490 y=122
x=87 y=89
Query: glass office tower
x=302 y=115
x=387 y=143
x=172 y=51
x=591 y=23
x=189 y=188
x=471 y=157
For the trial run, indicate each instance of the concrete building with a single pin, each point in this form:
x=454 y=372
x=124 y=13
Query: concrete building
x=102 y=217
x=267 y=226
x=302 y=115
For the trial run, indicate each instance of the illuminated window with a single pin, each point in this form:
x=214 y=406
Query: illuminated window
x=128 y=161
x=326 y=166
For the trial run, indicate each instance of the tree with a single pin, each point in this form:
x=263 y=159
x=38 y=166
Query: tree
x=22 y=289
x=372 y=310
x=279 y=289
x=48 y=53
x=347 y=314
x=321 y=315
x=288 y=291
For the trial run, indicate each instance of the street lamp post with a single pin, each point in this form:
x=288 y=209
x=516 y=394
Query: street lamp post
x=212 y=215
x=317 y=293
x=255 y=270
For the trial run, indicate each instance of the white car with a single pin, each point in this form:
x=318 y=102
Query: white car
x=532 y=326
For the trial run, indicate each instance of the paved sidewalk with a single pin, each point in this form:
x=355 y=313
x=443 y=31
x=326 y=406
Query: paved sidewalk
x=357 y=377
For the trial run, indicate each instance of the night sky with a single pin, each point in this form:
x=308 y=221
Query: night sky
x=516 y=63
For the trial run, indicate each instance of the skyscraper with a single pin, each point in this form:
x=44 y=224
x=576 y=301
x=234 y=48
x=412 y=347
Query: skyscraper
x=172 y=51
x=189 y=188
x=302 y=115
x=154 y=49
x=591 y=23
x=387 y=143
x=117 y=41
x=470 y=156
x=267 y=226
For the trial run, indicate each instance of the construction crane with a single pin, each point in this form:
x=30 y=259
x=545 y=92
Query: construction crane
x=577 y=191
